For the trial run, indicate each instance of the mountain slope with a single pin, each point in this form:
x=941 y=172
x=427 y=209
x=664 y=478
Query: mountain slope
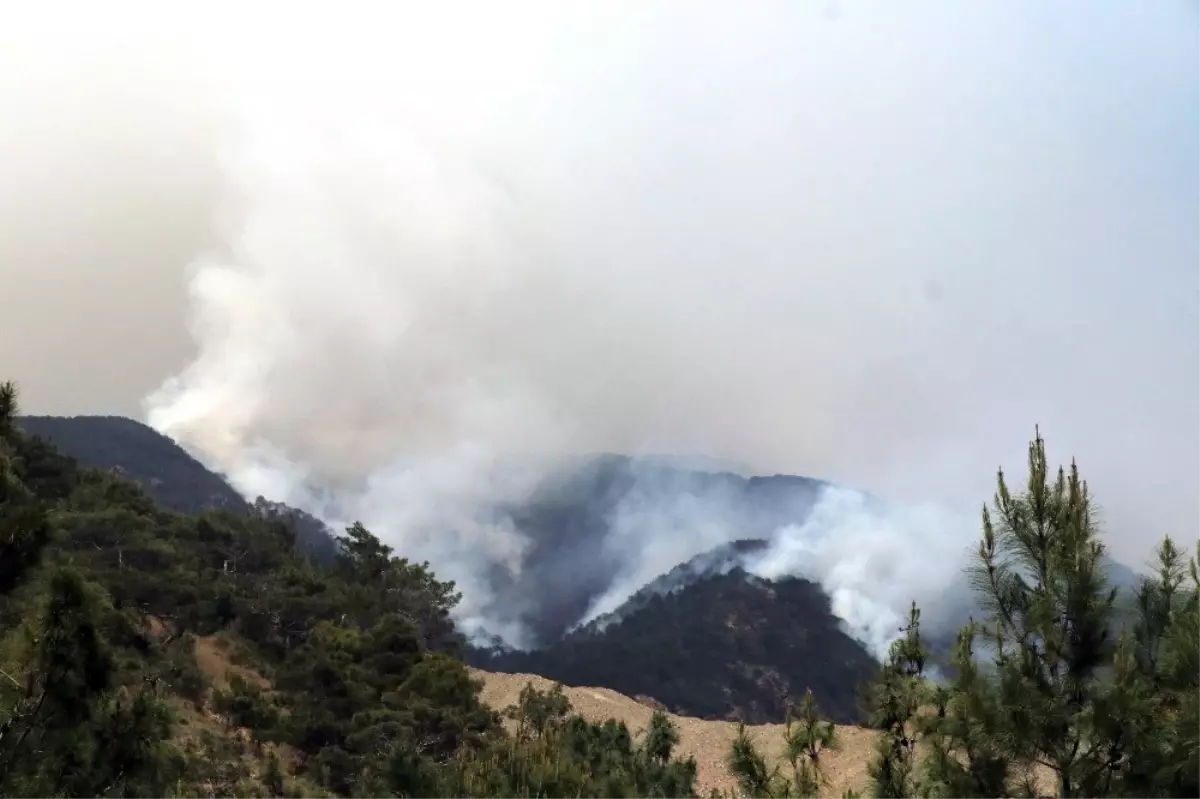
x=166 y=472
x=105 y=598
x=579 y=522
x=172 y=477
x=147 y=665
x=720 y=646
x=583 y=521
x=706 y=740
x=253 y=671
x=725 y=647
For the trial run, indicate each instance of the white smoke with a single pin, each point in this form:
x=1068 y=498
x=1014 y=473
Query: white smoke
x=784 y=237
x=653 y=534
x=873 y=559
x=874 y=563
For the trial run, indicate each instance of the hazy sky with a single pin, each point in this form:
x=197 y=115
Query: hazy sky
x=875 y=242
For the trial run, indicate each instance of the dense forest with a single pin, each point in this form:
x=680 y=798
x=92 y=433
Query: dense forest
x=165 y=472
x=344 y=675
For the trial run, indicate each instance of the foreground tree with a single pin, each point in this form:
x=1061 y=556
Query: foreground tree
x=1163 y=740
x=557 y=753
x=66 y=727
x=1054 y=676
x=963 y=759
x=806 y=737
x=895 y=700
x=24 y=529
x=1050 y=616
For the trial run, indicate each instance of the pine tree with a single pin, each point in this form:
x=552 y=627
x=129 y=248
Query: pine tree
x=538 y=713
x=806 y=737
x=1162 y=730
x=662 y=736
x=24 y=529
x=755 y=779
x=963 y=760
x=74 y=733
x=895 y=700
x=1050 y=617
x=69 y=729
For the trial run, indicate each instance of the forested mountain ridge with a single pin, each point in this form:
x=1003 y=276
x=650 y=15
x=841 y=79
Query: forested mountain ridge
x=173 y=478
x=166 y=471
x=345 y=678
x=568 y=520
x=581 y=520
x=725 y=647
x=688 y=656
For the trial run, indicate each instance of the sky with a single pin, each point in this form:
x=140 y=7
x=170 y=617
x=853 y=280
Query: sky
x=870 y=242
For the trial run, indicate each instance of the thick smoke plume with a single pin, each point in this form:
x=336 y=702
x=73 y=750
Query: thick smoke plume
x=872 y=244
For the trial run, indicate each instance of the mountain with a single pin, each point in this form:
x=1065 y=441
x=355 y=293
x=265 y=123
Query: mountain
x=582 y=522
x=705 y=639
x=579 y=522
x=166 y=472
x=175 y=479
x=710 y=641
x=146 y=652
x=723 y=646
x=202 y=654
x=318 y=662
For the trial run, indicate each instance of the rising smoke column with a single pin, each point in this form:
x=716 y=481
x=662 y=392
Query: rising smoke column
x=762 y=238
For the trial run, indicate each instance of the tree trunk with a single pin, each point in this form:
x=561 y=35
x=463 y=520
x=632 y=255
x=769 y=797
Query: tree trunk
x=1065 y=790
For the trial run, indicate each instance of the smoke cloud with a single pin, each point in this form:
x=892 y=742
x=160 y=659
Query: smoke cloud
x=875 y=564
x=867 y=242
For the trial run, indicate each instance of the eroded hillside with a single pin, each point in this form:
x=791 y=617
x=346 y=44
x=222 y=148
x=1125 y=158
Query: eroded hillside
x=705 y=740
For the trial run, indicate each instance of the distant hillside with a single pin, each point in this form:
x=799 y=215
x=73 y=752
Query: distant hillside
x=165 y=471
x=580 y=523
x=151 y=653
x=724 y=646
x=172 y=477
x=744 y=645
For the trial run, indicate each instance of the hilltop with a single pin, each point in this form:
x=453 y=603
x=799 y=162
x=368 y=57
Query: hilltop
x=168 y=474
x=723 y=646
x=171 y=476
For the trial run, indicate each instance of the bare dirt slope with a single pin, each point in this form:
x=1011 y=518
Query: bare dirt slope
x=707 y=741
